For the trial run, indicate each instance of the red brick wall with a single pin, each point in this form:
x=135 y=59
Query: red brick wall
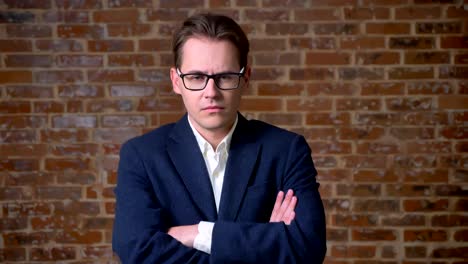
x=378 y=87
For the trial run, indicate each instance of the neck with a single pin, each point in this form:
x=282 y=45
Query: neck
x=213 y=136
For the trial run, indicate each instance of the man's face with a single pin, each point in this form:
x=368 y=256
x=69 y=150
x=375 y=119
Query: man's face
x=210 y=110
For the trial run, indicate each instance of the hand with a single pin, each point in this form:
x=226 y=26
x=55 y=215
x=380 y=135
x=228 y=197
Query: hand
x=284 y=209
x=184 y=234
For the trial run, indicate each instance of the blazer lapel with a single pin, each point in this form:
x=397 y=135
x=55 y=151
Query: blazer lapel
x=185 y=153
x=239 y=168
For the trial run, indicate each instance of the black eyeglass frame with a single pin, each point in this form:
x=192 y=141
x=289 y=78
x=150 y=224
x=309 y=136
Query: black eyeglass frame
x=211 y=76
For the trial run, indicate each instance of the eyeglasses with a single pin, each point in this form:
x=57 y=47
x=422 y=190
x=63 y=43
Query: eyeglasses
x=198 y=81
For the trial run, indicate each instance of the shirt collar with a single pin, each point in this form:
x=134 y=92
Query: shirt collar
x=223 y=145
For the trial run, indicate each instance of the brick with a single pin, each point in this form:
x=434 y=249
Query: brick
x=277 y=59
x=58 y=76
x=354 y=220
x=458 y=72
x=388 y=28
x=406 y=133
x=382 y=88
x=311 y=74
x=17 y=136
x=80 y=91
x=404 y=220
x=322 y=58
x=74 y=121
x=286 y=28
x=79 y=237
x=15 y=45
x=360 y=73
x=52 y=254
x=439 y=28
x=12 y=254
x=15 y=107
x=415 y=161
x=58 y=193
x=367 y=175
x=360 y=133
x=355 y=42
x=16 y=17
x=341 y=251
x=452 y=102
x=363 y=205
x=282 y=119
x=27 y=239
x=408 y=190
x=301 y=43
x=116 y=16
x=406 y=73
x=347 y=89
x=66 y=17
x=315 y=104
x=417 y=12
x=110 y=75
x=96 y=252
x=265 y=104
x=166 y=15
x=424 y=205
x=328 y=119
x=265 y=74
x=456 y=12
x=131 y=60
x=315 y=14
x=336 y=29
x=331 y=147
x=28 y=31
x=30 y=178
x=266 y=15
x=128 y=30
x=80 y=31
x=425 y=235
x=355 y=104
x=380 y=58
x=374 y=235
x=79 y=61
x=366 y=13
x=449 y=220
x=267 y=44
x=427 y=87
x=79 y=4
x=115 y=135
x=123 y=121
x=28 y=4
x=95 y=106
x=412 y=43
x=415 y=251
x=17 y=76
x=338 y=205
x=130 y=3
x=22 y=150
x=461 y=58
x=364 y=161
x=182 y=3
x=454 y=42
x=28 y=61
x=450 y=252
x=61 y=45
x=358 y=190
x=64 y=135
x=154 y=45
x=110 y=45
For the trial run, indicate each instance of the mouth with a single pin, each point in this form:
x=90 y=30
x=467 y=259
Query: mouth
x=213 y=108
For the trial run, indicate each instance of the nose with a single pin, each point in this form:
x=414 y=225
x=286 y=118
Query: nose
x=211 y=90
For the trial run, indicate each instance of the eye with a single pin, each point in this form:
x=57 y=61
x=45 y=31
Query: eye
x=227 y=77
x=195 y=77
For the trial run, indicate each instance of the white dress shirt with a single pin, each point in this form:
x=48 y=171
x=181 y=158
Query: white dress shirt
x=215 y=161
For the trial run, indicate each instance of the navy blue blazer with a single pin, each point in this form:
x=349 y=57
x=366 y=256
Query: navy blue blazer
x=163 y=182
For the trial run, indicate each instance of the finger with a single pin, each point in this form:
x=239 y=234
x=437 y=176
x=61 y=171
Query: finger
x=291 y=217
x=291 y=207
x=290 y=210
x=286 y=202
x=274 y=214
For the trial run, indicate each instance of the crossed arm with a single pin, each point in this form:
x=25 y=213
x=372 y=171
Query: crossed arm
x=283 y=211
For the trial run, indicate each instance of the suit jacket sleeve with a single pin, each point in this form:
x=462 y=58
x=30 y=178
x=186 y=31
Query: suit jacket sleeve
x=303 y=241
x=139 y=233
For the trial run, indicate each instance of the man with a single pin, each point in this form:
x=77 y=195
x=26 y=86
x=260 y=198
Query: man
x=211 y=187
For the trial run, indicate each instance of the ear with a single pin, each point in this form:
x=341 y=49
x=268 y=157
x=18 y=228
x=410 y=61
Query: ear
x=247 y=73
x=175 y=81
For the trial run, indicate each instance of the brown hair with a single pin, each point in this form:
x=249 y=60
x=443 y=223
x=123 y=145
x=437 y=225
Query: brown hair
x=218 y=27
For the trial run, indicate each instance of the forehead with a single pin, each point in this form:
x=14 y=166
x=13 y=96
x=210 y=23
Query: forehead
x=205 y=51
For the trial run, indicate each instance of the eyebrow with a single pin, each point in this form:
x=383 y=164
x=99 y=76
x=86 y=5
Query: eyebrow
x=201 y=72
